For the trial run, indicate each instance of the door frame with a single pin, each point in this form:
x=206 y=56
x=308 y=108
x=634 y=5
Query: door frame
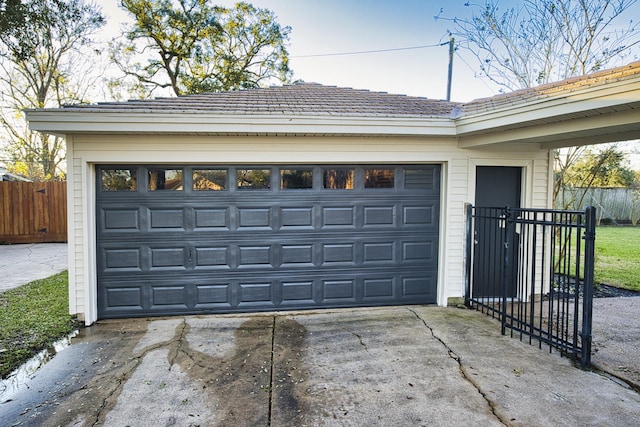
x=526 y=179
x=526 y=193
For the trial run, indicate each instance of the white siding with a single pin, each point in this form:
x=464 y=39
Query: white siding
x=458 y=182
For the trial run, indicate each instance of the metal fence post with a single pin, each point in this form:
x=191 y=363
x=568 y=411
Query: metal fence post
x=587 y=295
x=468 y=248
x=505 y=271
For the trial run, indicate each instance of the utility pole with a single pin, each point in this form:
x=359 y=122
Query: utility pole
x=450 y=75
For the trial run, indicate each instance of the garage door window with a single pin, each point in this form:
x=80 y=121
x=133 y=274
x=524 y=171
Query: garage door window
x=165 y=179
x=296 y=179
x=339 y=179
x=119 y=180
x=379 y=178
x=253 y=179
x=210 y=179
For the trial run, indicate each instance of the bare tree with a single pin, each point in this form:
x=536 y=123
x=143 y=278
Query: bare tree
x=541 y=41
x=42 y=56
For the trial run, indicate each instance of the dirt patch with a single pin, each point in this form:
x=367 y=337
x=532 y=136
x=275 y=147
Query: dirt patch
x=238 y=383
x=289 y=373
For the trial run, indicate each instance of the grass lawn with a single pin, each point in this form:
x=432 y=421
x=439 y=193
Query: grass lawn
x=32 y=317
x=618 y=257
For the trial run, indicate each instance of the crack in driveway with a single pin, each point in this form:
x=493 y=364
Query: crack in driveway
x=463 y=372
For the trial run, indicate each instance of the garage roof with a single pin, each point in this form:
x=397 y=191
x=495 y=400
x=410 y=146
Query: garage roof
x=600 y=107
x=296 y=99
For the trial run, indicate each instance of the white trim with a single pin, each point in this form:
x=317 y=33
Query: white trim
x=526 y=186
x=443 y=238
x=131 y=122
x=89 y=230
x=71 y=232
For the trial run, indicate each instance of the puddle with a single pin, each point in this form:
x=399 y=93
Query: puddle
x=21 y=376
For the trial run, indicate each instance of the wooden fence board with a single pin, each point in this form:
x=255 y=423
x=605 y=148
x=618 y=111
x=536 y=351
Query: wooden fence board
x=33 y=212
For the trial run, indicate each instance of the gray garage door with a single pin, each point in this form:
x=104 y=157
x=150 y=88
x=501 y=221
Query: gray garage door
x=211 y=239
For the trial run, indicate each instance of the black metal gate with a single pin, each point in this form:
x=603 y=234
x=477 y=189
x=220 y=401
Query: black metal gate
x=534 y=273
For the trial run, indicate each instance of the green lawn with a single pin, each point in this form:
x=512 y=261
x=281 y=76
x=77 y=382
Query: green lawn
x=618 y=257
x=32 y=317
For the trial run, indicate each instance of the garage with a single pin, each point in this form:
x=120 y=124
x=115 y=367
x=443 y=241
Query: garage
x=177 y=239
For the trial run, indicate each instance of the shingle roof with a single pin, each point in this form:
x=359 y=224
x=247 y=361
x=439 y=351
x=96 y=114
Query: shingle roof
x=313 y=99
x=564 y=87
x=296 y=99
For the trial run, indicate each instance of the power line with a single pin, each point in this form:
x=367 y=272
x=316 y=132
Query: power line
x=370 y=51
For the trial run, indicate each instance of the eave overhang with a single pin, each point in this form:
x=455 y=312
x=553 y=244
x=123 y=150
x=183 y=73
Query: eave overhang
x=584 y=116
x=62 y=122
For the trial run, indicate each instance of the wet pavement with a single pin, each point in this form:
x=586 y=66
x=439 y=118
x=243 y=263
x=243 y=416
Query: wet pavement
x=411 y=365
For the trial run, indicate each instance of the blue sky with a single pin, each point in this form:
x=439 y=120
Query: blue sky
x=335 y=26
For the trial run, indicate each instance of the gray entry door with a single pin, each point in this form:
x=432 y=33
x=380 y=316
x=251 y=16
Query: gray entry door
x=496 y=187
x=211 y=239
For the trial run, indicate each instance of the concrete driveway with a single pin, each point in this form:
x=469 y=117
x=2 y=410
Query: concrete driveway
x=404 y=366
x=24 y=263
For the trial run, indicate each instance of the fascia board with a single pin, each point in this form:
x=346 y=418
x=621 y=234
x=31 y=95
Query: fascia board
x=608 y=127
x=67 y=122
x=551 y=108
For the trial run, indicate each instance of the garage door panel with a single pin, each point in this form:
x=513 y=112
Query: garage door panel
x=206 y=219
x=378 y=289
x=254 y=256
x=297 y=217
x=379 y=216
x=338 y=216
x=194 y=251
x=167 y=219
x=126 y=220
x=172 y=297
x=378 y=252
x=213 y=296
x=252 y=218
x=124 y=297
x=128 y=259
x=216 y=257
x=296 y=255
x=339 y=291
x=255 y=294
x=297 y=292
x=418 y=285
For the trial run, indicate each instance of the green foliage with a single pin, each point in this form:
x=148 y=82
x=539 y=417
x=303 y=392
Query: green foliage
x=12 y=14
x=617 y=250
x=605 y=168
x=191 y=46
x=32 y=317
x=42 y=50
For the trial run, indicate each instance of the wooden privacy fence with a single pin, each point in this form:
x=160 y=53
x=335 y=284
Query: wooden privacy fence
x=33 y=212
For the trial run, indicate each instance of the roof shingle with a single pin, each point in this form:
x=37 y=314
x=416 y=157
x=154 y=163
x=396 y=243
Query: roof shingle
x=313 y=99
x=296 y=99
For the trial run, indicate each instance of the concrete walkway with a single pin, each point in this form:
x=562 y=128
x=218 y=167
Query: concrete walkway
x=404 y=366
x=21 y=264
